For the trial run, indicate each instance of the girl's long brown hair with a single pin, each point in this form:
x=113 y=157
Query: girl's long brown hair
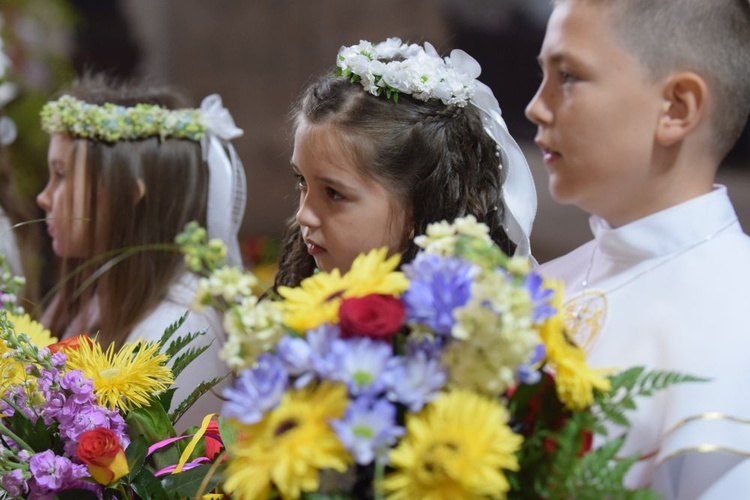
x=139 y=195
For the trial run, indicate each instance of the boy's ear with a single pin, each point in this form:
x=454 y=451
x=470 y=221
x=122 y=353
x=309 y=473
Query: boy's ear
x=684 y=107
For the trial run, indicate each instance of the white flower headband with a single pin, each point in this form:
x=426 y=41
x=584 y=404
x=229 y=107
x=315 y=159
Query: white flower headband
x=211 y=125
x=392 y=67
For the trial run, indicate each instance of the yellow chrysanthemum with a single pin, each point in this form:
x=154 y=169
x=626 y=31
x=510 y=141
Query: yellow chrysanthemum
x=289 y=446
x=126 y=378
x=11 y=370
x=314 y=302
x=575 y=380
x=375 y=273
x=457 y=447
x=317 y=299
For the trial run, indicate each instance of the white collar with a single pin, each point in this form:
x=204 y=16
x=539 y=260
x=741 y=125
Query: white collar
x=667 y=231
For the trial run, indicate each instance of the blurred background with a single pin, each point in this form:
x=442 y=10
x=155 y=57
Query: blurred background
x=258 y=55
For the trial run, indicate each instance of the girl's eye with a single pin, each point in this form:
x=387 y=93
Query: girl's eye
x=334 y=195
x=300 y=182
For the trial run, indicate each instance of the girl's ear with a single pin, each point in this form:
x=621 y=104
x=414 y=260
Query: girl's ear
x=685 y=99
x=141 y=190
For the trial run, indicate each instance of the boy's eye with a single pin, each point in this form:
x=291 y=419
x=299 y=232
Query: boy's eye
x=334 y=195
x=566 y=77
x=300 y=182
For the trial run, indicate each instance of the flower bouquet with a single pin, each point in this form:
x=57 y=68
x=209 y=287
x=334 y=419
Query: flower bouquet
x=77 y=421
x=453 y=378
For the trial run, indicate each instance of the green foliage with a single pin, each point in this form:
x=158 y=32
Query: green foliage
x=480 y=252
x=183 y=360
x=169 y=333
x=185 y=405
x=629 y=384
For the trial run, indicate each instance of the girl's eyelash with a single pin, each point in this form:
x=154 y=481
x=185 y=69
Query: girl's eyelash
x=299 y=181
x=334 y=195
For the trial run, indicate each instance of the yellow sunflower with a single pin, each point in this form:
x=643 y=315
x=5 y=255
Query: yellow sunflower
x=126 y=378
x=374 y=273
x=314 y=302
x=289 y=446
x=457 y=447
x=575 y=380
x=12 y=371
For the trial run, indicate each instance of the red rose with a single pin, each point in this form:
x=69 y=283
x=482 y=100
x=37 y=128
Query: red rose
x=69 y=344
x=374 y=316
x=101 y=451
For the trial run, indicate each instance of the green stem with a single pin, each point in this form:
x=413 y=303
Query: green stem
x=20 y=442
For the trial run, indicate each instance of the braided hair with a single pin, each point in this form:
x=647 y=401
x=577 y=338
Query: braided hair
x=436 y=159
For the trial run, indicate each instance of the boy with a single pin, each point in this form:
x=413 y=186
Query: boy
x=640 y=102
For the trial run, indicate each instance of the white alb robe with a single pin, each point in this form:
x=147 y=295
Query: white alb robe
x=676 y=288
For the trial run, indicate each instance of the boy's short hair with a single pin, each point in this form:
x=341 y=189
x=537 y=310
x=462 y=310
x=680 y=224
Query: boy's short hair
x=708 y=37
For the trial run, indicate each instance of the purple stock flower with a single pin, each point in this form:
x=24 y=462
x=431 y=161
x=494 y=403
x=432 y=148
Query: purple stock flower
x=15 y=483
x=438 y=286
x=81 y=387
x=415 y=380
x=360 y=363
x=50 y=471
x=256 y=390
x=58 y=359
x=368 y=429
x=541 y=297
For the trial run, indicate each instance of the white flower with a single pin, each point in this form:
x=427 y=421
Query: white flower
x=470 y=227
x=410 y=69
x=252 y=328
x=388 y=49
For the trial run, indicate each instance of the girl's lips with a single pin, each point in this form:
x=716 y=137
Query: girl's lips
x=314 y=249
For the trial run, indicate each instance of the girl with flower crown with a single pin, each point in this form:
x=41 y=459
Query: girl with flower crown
x=129 y=167
x=395 y=138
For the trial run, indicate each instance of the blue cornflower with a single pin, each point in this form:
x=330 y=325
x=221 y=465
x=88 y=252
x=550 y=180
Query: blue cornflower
x=438 y=286
x=415 y=380
x=528 y=373
x=360 y=363
x=540 y=297
x=304 y=357
x=256 y=390
x=368 y=429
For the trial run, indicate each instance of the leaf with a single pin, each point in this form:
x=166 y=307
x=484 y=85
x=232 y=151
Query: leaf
x=146 y=485
x=76 y=495
x=186 y=484
x=165 y=397
x=228 y=433
x=180 y=342
x=199 y=391
x=170 y=330
x=183 y=360
x=153 y=424
x=136 y=455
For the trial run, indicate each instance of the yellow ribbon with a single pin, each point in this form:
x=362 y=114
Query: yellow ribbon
x=193 y=443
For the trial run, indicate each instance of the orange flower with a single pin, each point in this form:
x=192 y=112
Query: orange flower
x=101 y=451
x=70 y=344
